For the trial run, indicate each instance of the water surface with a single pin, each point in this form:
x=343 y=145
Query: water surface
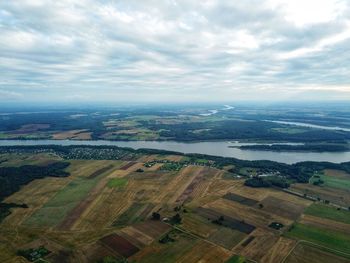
x=211 y=148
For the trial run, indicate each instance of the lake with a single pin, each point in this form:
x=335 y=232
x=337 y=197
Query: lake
x=211 y=148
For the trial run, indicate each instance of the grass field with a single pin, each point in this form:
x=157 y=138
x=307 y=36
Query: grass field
x=117 y=182
x=55 y=210
x=328 y=212
x=237 y=259
x=333 y=181
x=331 y=239
x=305 y=253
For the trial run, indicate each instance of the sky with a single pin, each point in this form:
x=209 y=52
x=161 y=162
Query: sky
x=169 y=51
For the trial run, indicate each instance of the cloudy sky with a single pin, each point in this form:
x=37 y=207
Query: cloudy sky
x=168 y=50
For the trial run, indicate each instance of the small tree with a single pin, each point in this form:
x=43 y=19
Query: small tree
x=176 y=219
x=155 y=216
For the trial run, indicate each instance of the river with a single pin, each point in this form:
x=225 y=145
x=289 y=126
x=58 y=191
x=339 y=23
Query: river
x=211 y=148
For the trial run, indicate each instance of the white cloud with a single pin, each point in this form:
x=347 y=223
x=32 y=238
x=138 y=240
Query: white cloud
x=308 y=12
x=169 y=49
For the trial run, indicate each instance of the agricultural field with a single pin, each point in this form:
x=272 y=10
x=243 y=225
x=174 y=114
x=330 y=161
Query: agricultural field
x=328 y=212
x=135 y=210
x=333 y=179
x=306 y=253
x=338 y=241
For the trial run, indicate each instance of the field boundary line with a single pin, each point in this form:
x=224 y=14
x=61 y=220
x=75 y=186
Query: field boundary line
x=205 y=240
x=331 y=250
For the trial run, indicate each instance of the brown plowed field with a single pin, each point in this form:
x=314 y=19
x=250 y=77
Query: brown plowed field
x=240 y=199
x=136 y=236
x=120 y=245
x=127 y=166
x=227 y=222
x=153 y=228
x=100 y=171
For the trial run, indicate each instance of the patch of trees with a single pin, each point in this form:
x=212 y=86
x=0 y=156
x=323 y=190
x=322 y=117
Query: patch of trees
x=34 y=254
x=318 y=182
x=5 y=209
x=257 y=182
x=166 y=239
x=176 y=219
x=12 y=178
x=267 y=182
x=218 y=221
x=155 y=216
x=276 y=225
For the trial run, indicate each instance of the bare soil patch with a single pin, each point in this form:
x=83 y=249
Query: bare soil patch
x=240 y=199
x=282 y=208
x=136 y=236
x=127 y=166
x=72 y=134
x=100 y=171
x=153 y=228
x=227 y=221
x=120 y=245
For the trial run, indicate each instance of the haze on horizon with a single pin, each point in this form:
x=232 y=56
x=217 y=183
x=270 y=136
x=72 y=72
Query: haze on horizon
x=99 y=50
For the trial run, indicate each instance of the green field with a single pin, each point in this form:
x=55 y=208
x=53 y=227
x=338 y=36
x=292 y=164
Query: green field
x=117 y=182
x=328 y=212
x=237 y=259
x=332 y=181
x=330 y=239
x=55 y=210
